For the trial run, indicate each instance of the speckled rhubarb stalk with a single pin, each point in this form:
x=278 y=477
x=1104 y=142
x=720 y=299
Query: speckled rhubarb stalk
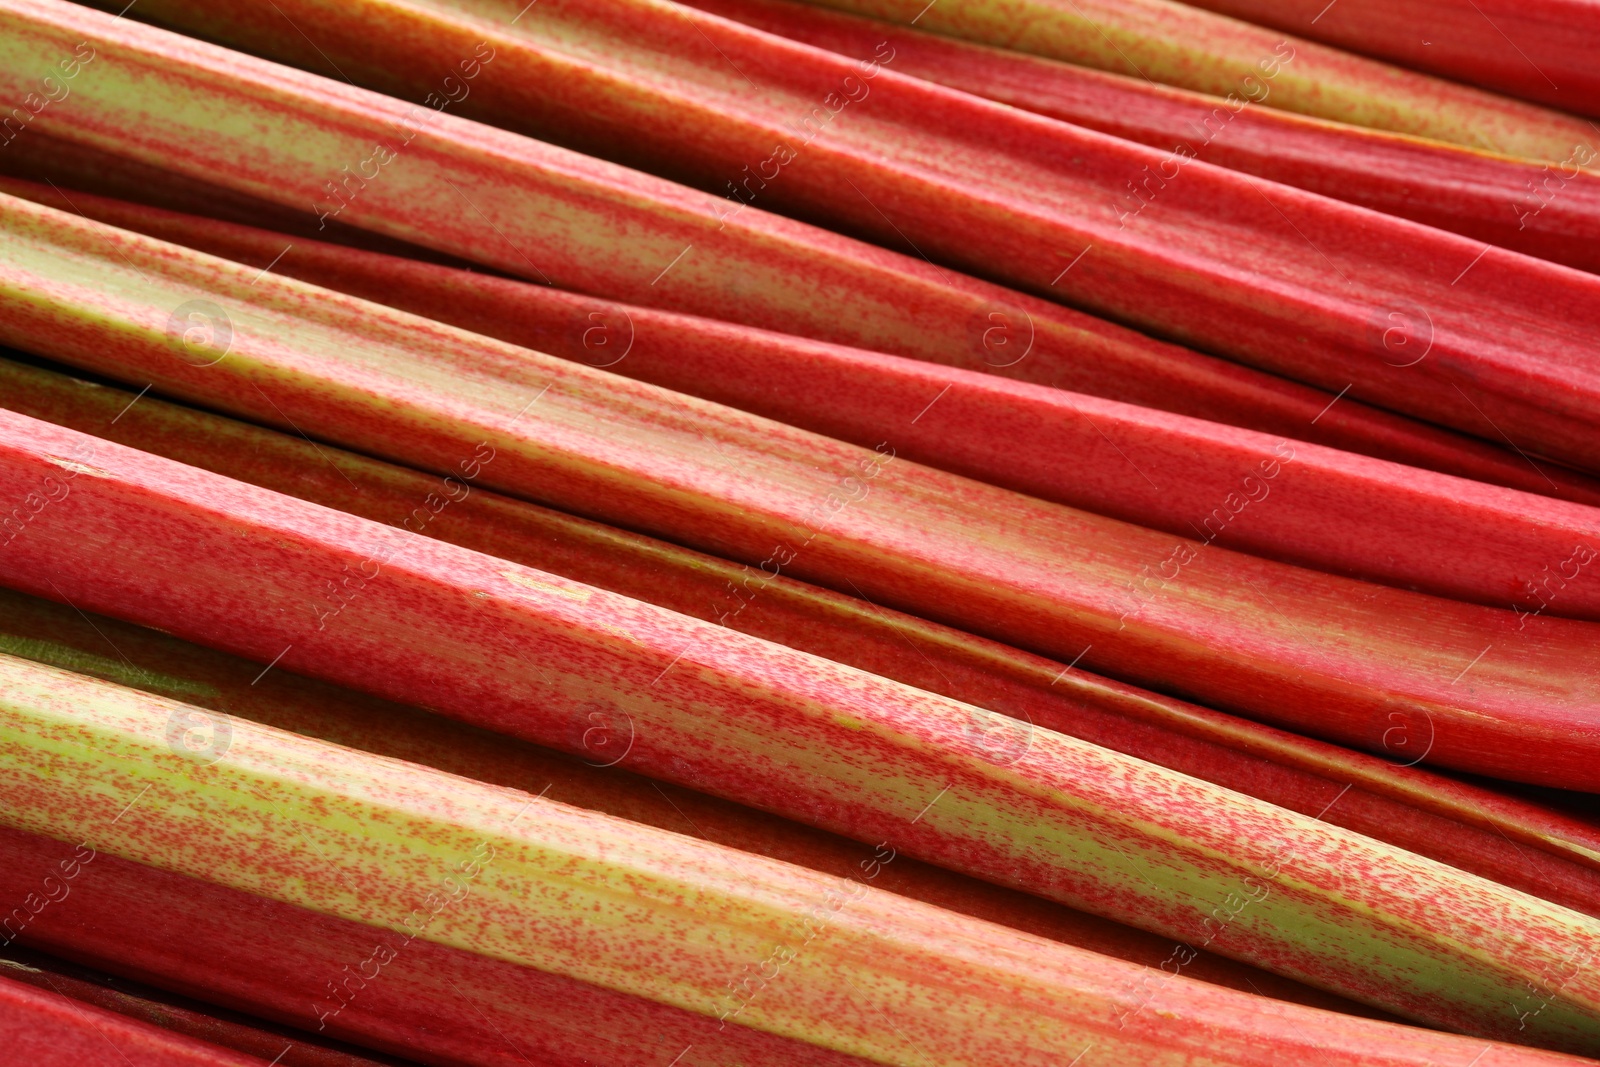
x=631 y=908
x=431 y=1003
x=54 y=634
x=1525 y=846
x=1327 y=655
x=548 y=214
x=48 y=1029
x=1552 y=212
x=1448 y=536
x=1181 y=45
x=542 y=657
x=1271 y=276
x=1536 y=49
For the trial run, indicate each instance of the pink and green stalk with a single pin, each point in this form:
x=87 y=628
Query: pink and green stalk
x=1327 y=655
x=1547 y=210
x=548 y=214
x=1510 y=841
x=1183 y=45
x=1542 y=50
x=663 y=917
x=1335 y=511
x=55 y=634
x=431 y=1003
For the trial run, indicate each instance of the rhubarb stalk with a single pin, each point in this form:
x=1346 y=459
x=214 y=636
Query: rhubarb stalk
x=1539 y=50
x=662 y=916
x=49 y=1029
x=55 y=634
x=1183 y=45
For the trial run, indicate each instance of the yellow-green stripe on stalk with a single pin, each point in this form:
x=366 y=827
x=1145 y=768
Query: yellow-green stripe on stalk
x=628 y=907
x=1174 y=43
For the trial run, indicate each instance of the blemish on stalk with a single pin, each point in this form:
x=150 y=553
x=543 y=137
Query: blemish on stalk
x=523 y=580
x=77 y=468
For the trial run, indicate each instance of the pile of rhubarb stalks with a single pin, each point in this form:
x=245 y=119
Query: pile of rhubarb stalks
x=721 y=533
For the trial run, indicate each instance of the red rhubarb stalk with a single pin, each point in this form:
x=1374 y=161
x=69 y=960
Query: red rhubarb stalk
x=665 y=917
x=280 y=1046
x=494 y=197
x=1324 y=654
x=1547 y=210
x=1448 y=536
x=1540 y=50
x=45 y=1028
x=1531 y=848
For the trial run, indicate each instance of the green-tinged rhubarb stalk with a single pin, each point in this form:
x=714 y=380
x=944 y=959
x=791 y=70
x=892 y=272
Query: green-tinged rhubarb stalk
x=547 y=214
x=55 y=634
x=542 y=657
x=1327 y=655
x=630 y=908
x=1547 y=210
x=1443 y=535
x=1536 y=49
x=1522 y=845
x=393 y=992
x=1181 y=45
x=1439 y=327
x=45 y=1028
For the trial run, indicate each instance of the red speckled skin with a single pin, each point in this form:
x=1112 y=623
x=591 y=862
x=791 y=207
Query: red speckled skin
x=976 y=995
x=1535 y=849
x=180 y=1015
x=1540 y=50
x=40 y=1028
x=1323 y=654
x=438 y=1005
x=596 y=228
x=1265 y=274
x=289 y=701
x=1454 y=188
x=532 y=654
x=1332 y=510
